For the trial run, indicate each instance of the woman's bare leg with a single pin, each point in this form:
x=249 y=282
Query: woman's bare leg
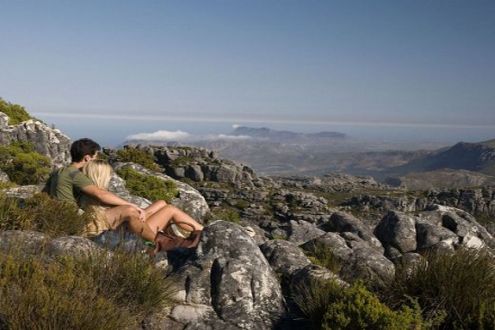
x=160 y=219
x=129 y=214
x=154 y=207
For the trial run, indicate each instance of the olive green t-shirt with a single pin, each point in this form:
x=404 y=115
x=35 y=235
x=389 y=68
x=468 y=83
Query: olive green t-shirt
x=66 y=184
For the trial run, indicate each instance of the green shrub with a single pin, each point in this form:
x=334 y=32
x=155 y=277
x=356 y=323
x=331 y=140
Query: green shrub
x=97 y=292
x=329 y=306
x=226 y=214
x=461 y=286
x=138 y=156
x=22 y=164
x=147 y=186
x=16 y=113
x=321 y=255
x=41 y=213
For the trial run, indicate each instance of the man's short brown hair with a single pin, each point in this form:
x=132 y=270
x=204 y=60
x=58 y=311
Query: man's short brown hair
x=83 y=147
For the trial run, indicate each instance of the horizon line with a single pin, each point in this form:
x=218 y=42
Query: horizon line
x=236 y=119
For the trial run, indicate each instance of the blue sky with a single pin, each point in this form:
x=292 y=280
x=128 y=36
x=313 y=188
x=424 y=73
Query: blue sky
x=316 y=61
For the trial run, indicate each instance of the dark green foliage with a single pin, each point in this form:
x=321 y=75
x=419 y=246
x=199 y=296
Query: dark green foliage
x=321 y=255
x=16 y=113
x=181 y=161
x=41 y=213
x=329 y=306
x=226 y=214
x=22 y=164
x=461 y=286
x=147 y=186
x=98 y=292
x=138 y=156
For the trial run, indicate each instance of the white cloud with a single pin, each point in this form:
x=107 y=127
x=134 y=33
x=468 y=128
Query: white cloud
x=160 y=136
x=236 y=126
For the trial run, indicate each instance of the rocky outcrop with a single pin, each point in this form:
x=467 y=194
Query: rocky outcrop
x=189 y=199
x=47 y=141
x=199 y=164
x=356 y=258
x=344 y=222
x=397 y=230
x=229 y=282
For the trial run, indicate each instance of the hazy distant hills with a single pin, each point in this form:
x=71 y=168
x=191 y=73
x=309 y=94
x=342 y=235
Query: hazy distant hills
x=286 y=136
x=476 y=157
x=278 y=152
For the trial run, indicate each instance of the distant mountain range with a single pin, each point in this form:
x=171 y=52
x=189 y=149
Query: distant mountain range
x=286 y=136
x=476 y=157
x=278 y=152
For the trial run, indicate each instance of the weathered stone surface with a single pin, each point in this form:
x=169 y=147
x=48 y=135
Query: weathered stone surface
x=3 y=176
x=469 y=232
x=357 y=258
x=189 y=200
x=302 y=231
x=344 y=222
x=398 y=230
x=29 y=242
x=74 y=246
x=22 y=192
x=230 y=275
x=47 y=141
x=429 y=235
x=284 y=257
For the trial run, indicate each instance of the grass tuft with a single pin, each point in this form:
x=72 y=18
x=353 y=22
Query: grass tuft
x=138 y=156
x=97 y=292
x=460 y=286
x=41 y=213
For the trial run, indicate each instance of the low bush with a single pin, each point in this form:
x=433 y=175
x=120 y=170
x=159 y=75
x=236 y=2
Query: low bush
x=329 y=306
x=22 y=164
x=226 y=214
x=16 y=113
x=321 y=255
x=41 y=213
x=147 y=186
x=460 y=286
x=98 y=292
x=138 y=156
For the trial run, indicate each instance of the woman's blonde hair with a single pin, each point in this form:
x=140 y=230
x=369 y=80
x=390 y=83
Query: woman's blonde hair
x=99 y=171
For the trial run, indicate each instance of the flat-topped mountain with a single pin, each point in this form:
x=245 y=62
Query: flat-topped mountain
x=284 y=136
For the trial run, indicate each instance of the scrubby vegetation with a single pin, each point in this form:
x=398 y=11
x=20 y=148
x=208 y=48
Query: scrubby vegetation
x=138 y=156
x=330 y=306
x=22 y=164
x=96 y=292
x=226 y=214
x=460 y=286
x=16 y=113
x=321 y=255
x=147 y=186
x=41 y=213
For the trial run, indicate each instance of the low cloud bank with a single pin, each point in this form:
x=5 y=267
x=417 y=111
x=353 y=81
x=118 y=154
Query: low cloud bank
x=164 y=136
x=160 y=136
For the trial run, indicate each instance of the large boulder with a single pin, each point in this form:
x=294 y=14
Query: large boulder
x=397 y=230
x=302 y=231
x=357 y=258
x=284 y=257
x=341 y=222
x=228 y=281
x=29 y=242
x=469 y=232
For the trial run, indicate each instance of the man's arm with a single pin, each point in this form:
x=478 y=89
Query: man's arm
x=104 y=196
